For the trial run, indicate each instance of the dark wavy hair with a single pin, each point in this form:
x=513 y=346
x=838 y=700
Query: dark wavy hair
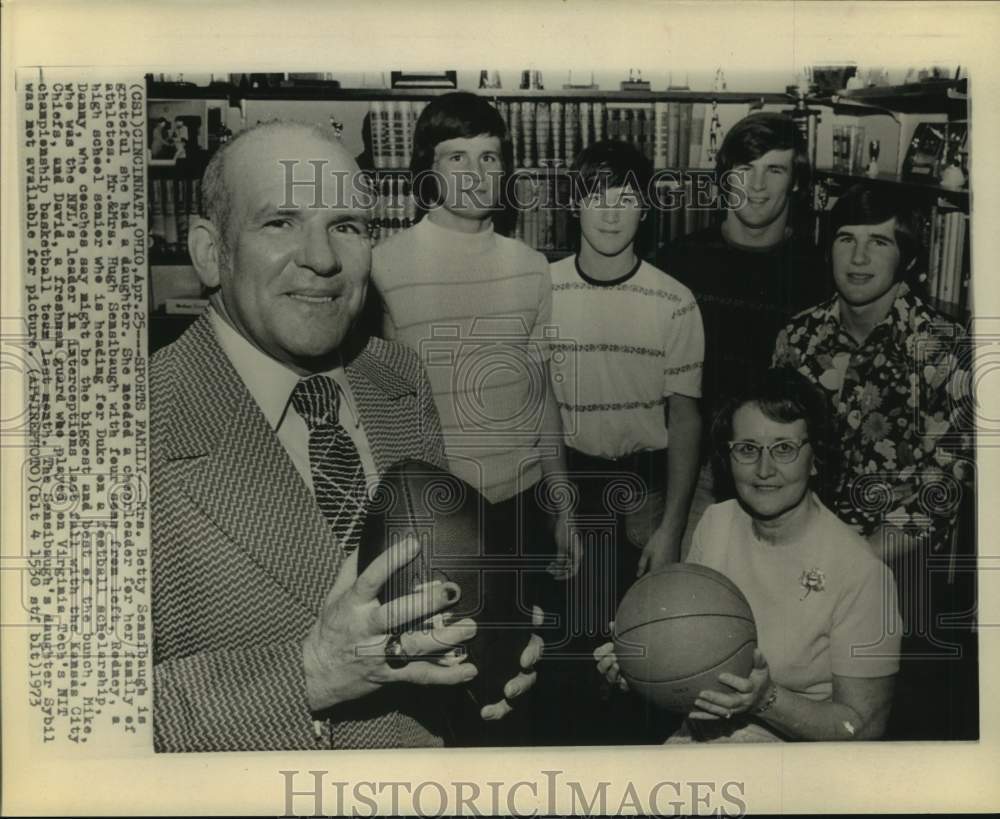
x=864 y=204
x=783 y=395
x=755 y=135
x=460 y=114
x=612 y=163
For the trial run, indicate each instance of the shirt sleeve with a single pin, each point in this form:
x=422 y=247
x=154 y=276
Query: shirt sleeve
x=684 y=350
x=704 y=534
x=866 y=628
x=543 y=319
x=943 y=440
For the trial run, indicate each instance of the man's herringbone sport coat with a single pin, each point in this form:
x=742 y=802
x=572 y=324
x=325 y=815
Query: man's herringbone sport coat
x=243 y=558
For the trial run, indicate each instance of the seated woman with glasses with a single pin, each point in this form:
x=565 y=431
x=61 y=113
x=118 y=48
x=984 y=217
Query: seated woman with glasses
x=828 y=626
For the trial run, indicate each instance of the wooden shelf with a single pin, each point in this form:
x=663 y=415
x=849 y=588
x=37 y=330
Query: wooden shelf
x=323 y=92
x=913 y=98
x=931 y=187
x=188 y=91
x=930 y=90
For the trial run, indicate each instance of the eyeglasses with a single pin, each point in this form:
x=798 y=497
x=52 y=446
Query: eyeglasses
x=784 y=451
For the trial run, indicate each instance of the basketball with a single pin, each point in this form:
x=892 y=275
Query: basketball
x=448 y=517
x=678 y=629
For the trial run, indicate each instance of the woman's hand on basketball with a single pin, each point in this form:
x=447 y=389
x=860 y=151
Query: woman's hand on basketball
x=747 y=693
x=607 y=665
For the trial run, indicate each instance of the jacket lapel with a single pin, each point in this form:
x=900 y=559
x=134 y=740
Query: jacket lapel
x=377 y=388
x=240 y=476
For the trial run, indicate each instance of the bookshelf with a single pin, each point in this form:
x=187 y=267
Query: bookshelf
x=306 y=92
x=678 y=129
x=930 y=96
x=921 y=187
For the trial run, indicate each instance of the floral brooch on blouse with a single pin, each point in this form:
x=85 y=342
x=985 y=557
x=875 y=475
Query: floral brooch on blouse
x=812 y=580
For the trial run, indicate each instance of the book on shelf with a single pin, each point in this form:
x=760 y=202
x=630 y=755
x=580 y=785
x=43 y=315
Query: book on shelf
x=556 y=134
x=630 y=122
x=543 y=128
x=661 y=150
x=376 y=121
x=586 y=127
x=514 y=126
x=614 y=122
x=529 y=113
x=402 y=124
x=953 y=283
x=697 y=134
x=945 y=271
x=157 y=229
x=685 y=119
x=571 y=131
x=947 y=268
x=393 y=134
x=170 y=240
x=182 y=211
x=673 y=135
x=391 y=125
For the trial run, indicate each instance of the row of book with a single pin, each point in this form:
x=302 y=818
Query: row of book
x=948 y=242
x=391 y=123
x=172 y=205
x=670 y=134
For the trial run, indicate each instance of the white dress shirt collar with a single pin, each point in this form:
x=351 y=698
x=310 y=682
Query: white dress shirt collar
x=269 y=381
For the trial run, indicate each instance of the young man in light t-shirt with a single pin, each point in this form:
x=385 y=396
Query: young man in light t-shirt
x=475 y=304
x=630 y=383
x=627 y=380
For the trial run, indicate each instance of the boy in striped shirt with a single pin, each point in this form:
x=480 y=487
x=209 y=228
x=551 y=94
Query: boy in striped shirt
x=629 y=398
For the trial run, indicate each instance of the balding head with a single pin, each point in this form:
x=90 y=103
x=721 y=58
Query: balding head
x=286 y=247
x=217 y=181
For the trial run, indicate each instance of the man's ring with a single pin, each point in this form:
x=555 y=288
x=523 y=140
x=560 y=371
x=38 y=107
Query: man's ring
x=395 y=657
x=729 y=713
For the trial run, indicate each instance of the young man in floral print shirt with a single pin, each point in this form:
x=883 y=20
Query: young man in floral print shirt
x=891 y=367
x=898 y=383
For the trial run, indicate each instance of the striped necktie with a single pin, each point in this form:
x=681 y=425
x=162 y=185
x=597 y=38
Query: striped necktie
x=337 y=474
x=339 y=486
